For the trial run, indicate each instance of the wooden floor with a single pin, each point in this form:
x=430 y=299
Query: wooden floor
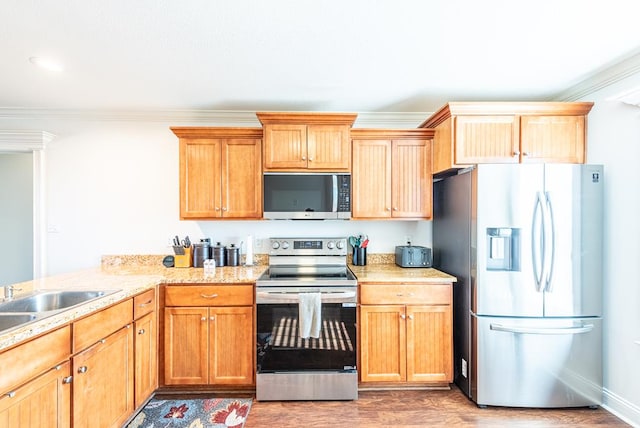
x=417 y=409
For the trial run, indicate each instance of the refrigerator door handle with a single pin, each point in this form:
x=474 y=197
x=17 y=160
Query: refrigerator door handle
x=552 y=244
x=585 y=328
x=537 y=242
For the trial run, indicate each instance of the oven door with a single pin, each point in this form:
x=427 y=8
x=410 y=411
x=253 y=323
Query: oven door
x=279 y=345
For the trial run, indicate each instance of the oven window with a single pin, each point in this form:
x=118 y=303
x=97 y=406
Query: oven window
x=280 y=347
x=298 y=193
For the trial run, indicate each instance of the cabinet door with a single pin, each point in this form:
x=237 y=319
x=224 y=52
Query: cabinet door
x=328 y=147
x=553 y=139
x=146 y=358
x=200 y=188
x=371 y=179
x=411 y=178
x=185 y=346
x=231 y=345
x=285 y=146
x=429 y=343
x=382 y=343
x=486 y=139
x=242 y=178
x=103 y=382
x=42 y=402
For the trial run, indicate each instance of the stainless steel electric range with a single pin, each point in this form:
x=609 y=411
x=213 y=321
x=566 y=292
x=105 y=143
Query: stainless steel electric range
x=306 y=322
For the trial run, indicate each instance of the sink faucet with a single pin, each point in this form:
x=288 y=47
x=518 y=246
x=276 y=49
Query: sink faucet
x=8 y=291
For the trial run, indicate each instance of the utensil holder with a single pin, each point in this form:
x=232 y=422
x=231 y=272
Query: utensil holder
x=184 y=260
x=359 y=256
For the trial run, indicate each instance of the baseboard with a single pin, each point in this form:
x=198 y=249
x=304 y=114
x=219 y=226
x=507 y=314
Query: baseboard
x=628 y=412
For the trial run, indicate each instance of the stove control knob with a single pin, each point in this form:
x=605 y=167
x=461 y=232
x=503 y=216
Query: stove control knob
x=340 y=245
x=275 y=245
x=285 y=245
x=331 y=245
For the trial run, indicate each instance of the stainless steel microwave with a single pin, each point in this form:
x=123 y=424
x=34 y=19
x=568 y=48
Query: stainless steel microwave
x=307 y=196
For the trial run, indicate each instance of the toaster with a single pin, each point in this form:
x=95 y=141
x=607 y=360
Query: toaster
x=409 y=256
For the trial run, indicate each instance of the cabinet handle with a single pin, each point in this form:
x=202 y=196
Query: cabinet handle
x=410 y=317
x=83 y=369
x=142 y=305
x=103 y=341
x=395 y=208
x=217 y=208
x=11 y=394
x=304 y=158
x=203 y=319
x=209 y=296
x=212 y=318
x=310 y=159
x=525 y=154
x=403 y=316
x=141 y=331
x=67 y=379
x=224 y=208
x=516 y=153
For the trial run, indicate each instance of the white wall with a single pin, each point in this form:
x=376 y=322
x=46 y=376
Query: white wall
x=614 y=140
x=112 y=188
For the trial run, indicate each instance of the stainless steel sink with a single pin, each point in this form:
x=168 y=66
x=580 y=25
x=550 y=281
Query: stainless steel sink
x=46 y=301
x=10 y=321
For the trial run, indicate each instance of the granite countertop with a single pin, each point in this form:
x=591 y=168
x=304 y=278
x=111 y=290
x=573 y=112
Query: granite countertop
x=131 y=275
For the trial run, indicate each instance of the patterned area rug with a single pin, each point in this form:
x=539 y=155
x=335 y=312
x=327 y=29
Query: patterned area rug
x=202 y=413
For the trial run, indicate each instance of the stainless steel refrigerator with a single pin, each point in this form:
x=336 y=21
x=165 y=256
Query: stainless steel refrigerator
x=525 y=242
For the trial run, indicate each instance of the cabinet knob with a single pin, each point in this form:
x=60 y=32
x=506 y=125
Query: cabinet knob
x=516 y=153
x=304 y=158
x=103 y=341
x=525 y=154
x=403 y=316
x=217 y=208
x=399 y=294
x=141 y=331
x=310 y=159
x=212 y=318
x=83 y=369
x=67 y=380
x=11 y=394
x=203 y=319
x=395 y=208
x=410 y=317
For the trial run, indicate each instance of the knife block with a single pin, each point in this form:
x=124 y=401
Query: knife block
x=183 y=260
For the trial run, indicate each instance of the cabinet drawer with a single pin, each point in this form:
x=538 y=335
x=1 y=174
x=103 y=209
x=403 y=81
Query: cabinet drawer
x=209 y=295
x=34 y=357
x=405 y=294
x=89 y=330
x=144 y=303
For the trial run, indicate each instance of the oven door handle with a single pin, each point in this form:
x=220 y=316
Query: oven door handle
x=288 y=297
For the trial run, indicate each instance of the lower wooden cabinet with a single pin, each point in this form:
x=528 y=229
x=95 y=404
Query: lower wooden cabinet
x=409 y=340
x=208 y=335
x=103 y=382
x=43 y=402
x=146 y=358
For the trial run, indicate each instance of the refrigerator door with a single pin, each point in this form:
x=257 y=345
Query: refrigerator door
x=506 y=247
x=537 y=362
x=574 y=195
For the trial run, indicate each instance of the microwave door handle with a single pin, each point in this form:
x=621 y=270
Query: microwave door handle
x=334 y=179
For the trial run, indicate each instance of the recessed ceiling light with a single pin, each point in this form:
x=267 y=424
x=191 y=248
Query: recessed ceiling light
x=46 y=63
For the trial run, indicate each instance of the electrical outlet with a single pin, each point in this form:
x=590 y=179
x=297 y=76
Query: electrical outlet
x=464 y=368
x=408 y=239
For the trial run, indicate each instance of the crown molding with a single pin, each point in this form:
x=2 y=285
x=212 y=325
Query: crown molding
x=24 y=141
x=200 y=117
x=601 y=79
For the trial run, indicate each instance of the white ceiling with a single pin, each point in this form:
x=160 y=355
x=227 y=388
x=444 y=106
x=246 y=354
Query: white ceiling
x=331 y=55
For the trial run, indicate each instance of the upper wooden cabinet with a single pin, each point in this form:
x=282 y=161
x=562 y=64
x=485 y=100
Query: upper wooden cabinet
x=469 y=133
x=220 y=172
x=391 y=176
x=304 y=141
